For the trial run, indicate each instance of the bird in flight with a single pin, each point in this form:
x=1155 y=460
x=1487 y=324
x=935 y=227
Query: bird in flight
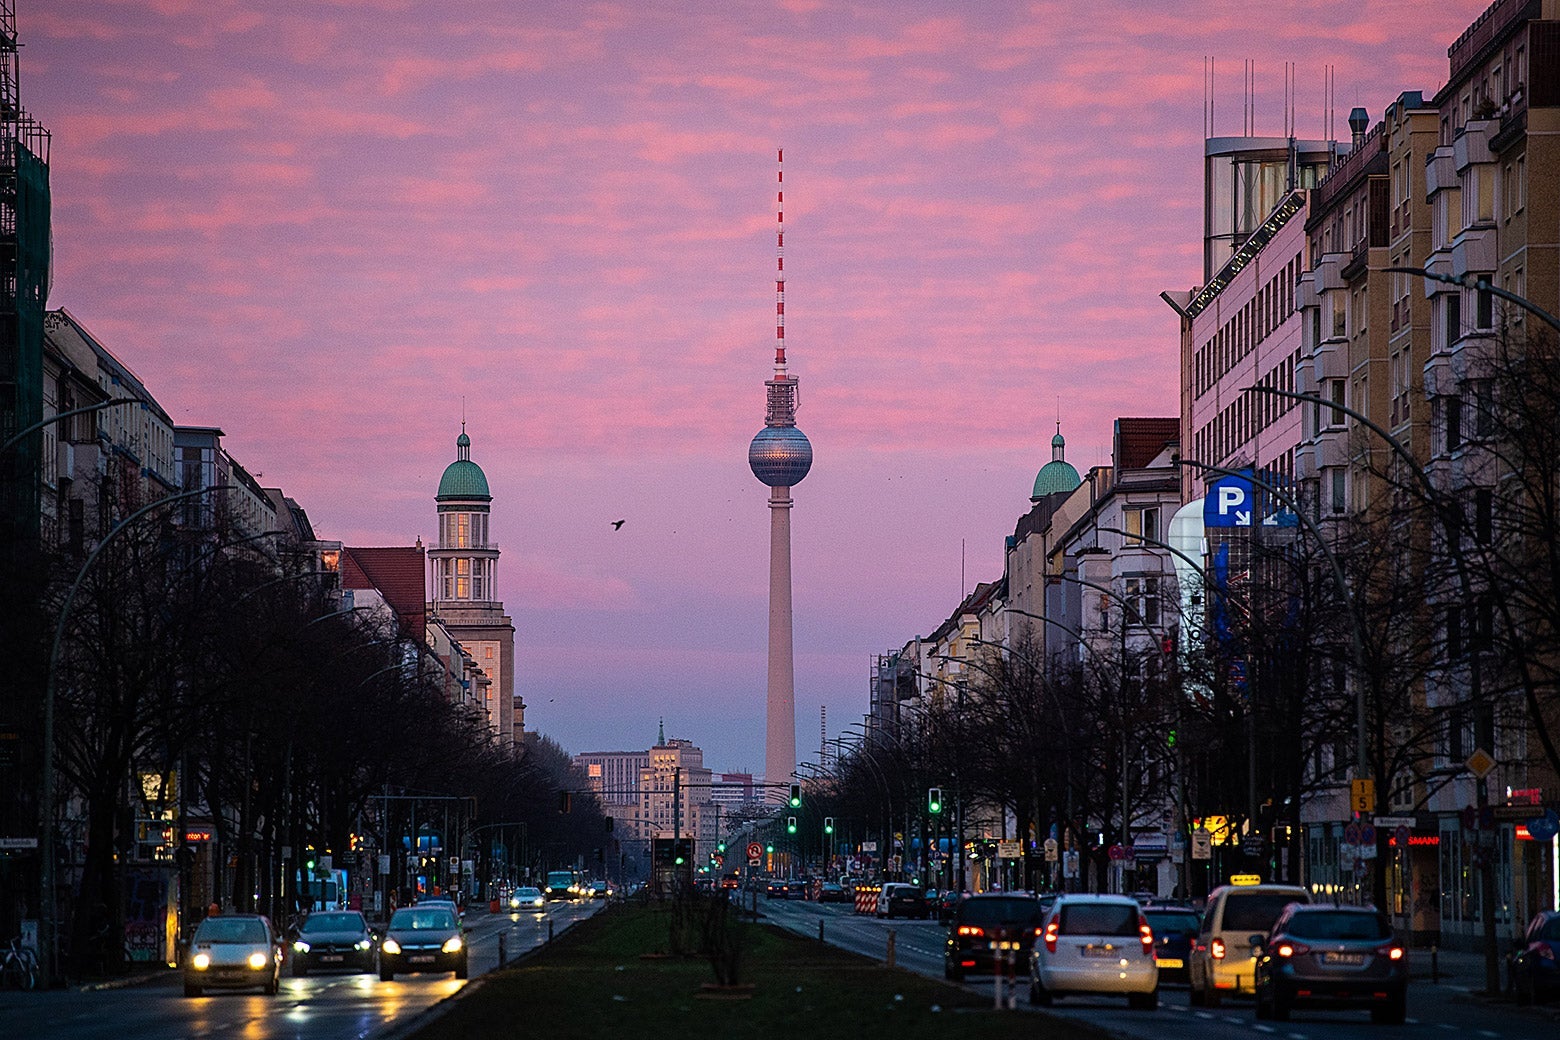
x=617 y=525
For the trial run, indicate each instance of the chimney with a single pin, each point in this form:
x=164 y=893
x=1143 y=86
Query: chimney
x=1359 y=120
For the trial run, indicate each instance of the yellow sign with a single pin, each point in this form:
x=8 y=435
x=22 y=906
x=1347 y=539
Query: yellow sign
x=1243 y=879
x=1480 y=763
x=1362 y=795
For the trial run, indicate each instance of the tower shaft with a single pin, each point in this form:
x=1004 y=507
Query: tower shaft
x=780 y=730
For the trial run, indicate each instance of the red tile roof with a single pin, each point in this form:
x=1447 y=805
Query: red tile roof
x=1138 y=441
x=399 y=573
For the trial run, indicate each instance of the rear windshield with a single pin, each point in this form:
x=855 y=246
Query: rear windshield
x=1166 y=922
x=230 y=930
x=1099 y=919
x=999 y=911
x=1337 y=924
x=422 y=920
x=1256 y=911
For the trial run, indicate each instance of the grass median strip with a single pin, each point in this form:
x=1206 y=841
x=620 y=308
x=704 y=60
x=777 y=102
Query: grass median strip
x=610 y=977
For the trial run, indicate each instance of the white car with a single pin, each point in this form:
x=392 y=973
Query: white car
x=1095 y=944
x=527 y=898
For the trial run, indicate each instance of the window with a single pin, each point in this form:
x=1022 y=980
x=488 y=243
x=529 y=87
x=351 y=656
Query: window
x=1483 y=515
x=1483 y=407
x=1338 y=393
x=1142 y=525
x=1453 y=318
x=1142 y=602
x=1339 y=491
x=1484 y=307
x=1454 y=634
x=1453 y=423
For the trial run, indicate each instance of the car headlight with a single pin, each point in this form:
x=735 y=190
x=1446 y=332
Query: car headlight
x=452 y=944
x=301 y=946
x=202 y=961
x=362 y=944
x=258 y=960
x=390 y=946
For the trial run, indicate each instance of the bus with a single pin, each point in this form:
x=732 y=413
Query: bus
x=561 y=884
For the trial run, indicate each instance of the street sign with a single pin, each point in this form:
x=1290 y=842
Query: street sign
x=1234 y=501
x=1070 y=864
x=1391 y=822
x=754 y=861
x=1362 y=795
x=1009 y=850
x=869 y=846
x=18 y=843
x=1050 y=850
x=1202 y=844
x=1545 y=827
x=1480 y=763
x=1117 y=853
x=1401 y=836
x=1351 y=834
x=755 y=850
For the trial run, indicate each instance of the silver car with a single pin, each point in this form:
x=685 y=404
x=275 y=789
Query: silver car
x=235 y=951
x=1095 y=944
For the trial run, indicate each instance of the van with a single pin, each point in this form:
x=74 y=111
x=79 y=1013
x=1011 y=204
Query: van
x=1223 y=958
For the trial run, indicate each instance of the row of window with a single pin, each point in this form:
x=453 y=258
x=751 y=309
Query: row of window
x=1247 y=328
x=463 y=530
x=1249 y=414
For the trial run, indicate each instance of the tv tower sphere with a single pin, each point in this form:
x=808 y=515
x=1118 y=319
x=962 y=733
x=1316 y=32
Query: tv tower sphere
x=780 y=456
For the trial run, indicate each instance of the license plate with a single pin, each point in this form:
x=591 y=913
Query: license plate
x=1343 y=958
x=1101 y=951
x=425 y=958
x=1171 y=962
x=332 y=958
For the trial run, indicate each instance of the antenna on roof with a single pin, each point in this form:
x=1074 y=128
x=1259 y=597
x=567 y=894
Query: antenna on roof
x=780 y=262
x=1207 y=96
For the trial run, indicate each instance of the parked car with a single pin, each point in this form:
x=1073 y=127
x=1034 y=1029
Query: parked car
x=901 y=900
x=984 y=929
x=233 y=950
x=423 y=938
x=1332 y=957
x=1223 y=959
x=529 y=898
x=334 y=939
x=1175 y=930
x=1099 y=944
x=1535 y=968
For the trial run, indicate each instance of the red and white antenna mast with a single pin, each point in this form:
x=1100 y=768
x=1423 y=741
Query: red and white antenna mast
x=782 y=388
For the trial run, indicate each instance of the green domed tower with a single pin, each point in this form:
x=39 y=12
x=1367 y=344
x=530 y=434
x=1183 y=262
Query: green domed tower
x=465 y=588
x=1057 y=476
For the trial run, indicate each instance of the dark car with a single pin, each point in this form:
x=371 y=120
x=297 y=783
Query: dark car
x=777 y=888
x=946 y=904
x=985 y=930
x=1332 y=957
x=1535 y=970
x=1175 y=929
x=833 y=893
x=901 y=900
x=423 y=938
x=333 y=939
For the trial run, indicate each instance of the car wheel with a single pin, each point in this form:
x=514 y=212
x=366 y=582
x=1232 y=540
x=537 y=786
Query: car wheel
x=1039 y=996
x=192 y=990
x=385 y=974
x=1211 y=997
x=463 y=969
x=1143 y=1001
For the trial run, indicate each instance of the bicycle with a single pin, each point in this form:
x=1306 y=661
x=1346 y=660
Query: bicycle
x=19 y=966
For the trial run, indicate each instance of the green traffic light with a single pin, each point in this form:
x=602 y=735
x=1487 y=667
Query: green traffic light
x=1170 y=739
x=720 y=847
x=769 y=848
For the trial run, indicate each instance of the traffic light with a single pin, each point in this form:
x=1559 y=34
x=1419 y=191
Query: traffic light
x=934 y=802
x=796 y=796
x=720 y=847
x=828 y=825
x=1170 y=739
x=790 y=824
x=770 y=848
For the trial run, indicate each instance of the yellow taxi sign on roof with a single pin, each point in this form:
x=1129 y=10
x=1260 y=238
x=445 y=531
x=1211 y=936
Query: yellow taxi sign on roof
x=1246 y=879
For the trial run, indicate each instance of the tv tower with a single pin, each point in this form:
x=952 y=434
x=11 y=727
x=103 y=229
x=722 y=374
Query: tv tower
x=780 y=457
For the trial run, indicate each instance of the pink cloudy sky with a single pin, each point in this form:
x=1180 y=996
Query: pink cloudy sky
x=322 y=225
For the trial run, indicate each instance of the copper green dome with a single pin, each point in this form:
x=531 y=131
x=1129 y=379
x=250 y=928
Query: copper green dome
x=1058 y=475
x=463 y=478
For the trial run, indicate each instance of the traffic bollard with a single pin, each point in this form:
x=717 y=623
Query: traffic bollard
x=820 y=929
x=549 y=931
x=502 y=958
x=890 y=959
x=1435 y=965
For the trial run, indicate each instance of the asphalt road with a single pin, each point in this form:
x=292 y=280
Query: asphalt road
x=1434 y=1011
x=319 y=1007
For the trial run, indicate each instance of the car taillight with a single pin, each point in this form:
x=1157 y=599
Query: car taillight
x=1051 y=931
x=1146 y=934
x=1216 y=948
x=971 y=929
x=1291 y=949
x=1392 y=953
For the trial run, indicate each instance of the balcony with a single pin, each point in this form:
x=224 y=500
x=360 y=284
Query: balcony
x=1475 y=250
x=1440 y=173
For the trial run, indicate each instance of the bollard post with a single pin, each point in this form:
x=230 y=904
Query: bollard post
x=549 y=929
x=890 y=960
x=1435 y=965
x=996 y=977
x=1012 y=959
x=502 y=956
x=820 y=929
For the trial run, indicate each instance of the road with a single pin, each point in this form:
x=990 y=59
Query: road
x=1435 y=1011
x=318 y=1007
